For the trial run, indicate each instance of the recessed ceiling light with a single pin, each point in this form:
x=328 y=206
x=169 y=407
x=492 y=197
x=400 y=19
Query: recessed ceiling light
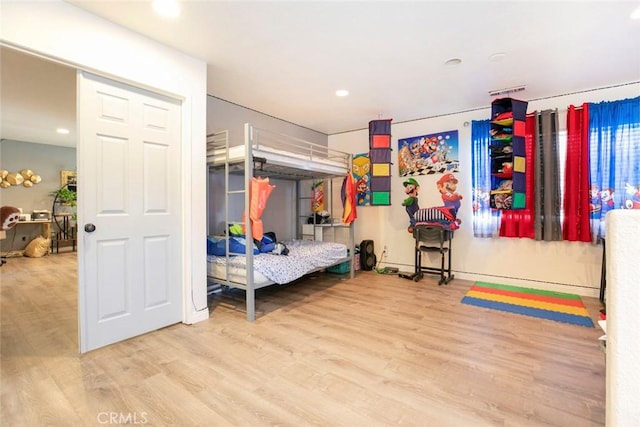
x=62 y=131
x=636 y=13
x=166 y=8
x=342 y=92
x=496 y=57
x=453 y=62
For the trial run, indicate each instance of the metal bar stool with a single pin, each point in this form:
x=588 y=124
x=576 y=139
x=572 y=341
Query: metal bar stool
x=433 y=239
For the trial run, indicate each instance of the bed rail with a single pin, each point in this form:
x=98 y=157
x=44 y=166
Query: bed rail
x=277 y=155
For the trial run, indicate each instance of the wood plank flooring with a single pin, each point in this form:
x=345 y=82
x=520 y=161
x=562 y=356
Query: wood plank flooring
x=373 y=351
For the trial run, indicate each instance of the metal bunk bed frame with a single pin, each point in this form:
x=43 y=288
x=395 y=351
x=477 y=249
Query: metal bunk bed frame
x=306 y=151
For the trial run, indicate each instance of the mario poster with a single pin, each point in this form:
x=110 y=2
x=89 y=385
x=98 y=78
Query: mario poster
x=428 y=154
x=361 y=172
x=317 y=201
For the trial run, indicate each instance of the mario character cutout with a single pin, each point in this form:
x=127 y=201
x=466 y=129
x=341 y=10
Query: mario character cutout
x=447 y=186
x=411 y=188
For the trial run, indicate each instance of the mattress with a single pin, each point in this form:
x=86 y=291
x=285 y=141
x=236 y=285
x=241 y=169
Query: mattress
x=305 y=256
x=237 y=275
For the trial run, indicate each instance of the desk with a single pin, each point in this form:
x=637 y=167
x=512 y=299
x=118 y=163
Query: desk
x=45 y=231
x=45 y=226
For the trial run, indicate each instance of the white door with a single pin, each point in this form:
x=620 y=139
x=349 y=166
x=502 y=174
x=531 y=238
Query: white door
x=129 y=211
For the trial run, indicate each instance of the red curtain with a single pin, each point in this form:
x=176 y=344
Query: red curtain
x=576 y=225
x=519 y=222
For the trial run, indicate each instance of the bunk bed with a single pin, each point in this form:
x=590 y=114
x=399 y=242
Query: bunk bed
x=269 y=154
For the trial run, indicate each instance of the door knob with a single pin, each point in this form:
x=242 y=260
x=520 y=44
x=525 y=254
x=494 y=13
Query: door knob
x=89 y=228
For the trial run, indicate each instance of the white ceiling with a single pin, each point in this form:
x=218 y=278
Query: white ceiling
x=287 y=59
x=37 y=97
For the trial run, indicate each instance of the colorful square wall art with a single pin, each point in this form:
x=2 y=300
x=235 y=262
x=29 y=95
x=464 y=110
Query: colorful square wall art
x=380 y=157
x=429 y=154
x=361 y=172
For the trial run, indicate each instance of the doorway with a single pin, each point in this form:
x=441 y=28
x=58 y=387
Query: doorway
x=38 y=126
x=31 y=127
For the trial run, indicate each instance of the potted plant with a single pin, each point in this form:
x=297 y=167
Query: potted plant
x=64 y=215
x=65 y=197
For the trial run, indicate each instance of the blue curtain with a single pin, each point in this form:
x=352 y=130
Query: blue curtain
x=486 y=221
x=614 y=156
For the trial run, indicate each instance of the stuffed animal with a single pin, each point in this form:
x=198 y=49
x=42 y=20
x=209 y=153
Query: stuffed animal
x=9 y=217
x=37 y=248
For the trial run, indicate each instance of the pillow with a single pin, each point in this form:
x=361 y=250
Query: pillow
x=441 y=216
x=237 y=244
x=37 y=248
x=215 y=246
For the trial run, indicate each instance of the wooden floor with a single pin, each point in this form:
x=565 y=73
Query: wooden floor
x=374 y=351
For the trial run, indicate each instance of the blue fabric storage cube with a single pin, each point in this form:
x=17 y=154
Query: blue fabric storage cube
x=380 y=127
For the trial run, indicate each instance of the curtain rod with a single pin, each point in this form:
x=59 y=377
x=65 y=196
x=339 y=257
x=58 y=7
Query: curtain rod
x=488 y=107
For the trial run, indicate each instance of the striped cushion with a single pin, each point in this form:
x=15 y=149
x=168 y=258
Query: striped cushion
x=440 y=216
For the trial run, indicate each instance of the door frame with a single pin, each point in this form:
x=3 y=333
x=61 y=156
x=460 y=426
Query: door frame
x=59 y=32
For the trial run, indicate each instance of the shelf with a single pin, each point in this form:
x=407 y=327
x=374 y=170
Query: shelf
x=507 y=153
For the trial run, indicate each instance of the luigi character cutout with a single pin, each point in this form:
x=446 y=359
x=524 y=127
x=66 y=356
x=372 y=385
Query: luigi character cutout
x=411 y=188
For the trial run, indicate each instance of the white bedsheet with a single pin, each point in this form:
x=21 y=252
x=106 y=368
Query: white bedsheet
x=304 y=257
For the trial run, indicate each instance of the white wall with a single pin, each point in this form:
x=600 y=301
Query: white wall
x=224 y=115
x=59 y=31
x=278 y=216
x=43 y=159
x=623 y=318
x=563 y=266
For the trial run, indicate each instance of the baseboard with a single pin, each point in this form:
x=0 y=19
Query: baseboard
x=581 y=290
x=197 y=316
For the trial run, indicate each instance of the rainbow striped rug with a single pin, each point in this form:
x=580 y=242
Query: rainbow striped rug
x=558 y=306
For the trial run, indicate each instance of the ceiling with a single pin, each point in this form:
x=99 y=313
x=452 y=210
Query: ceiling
x=287 y=59
x=37 y=97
